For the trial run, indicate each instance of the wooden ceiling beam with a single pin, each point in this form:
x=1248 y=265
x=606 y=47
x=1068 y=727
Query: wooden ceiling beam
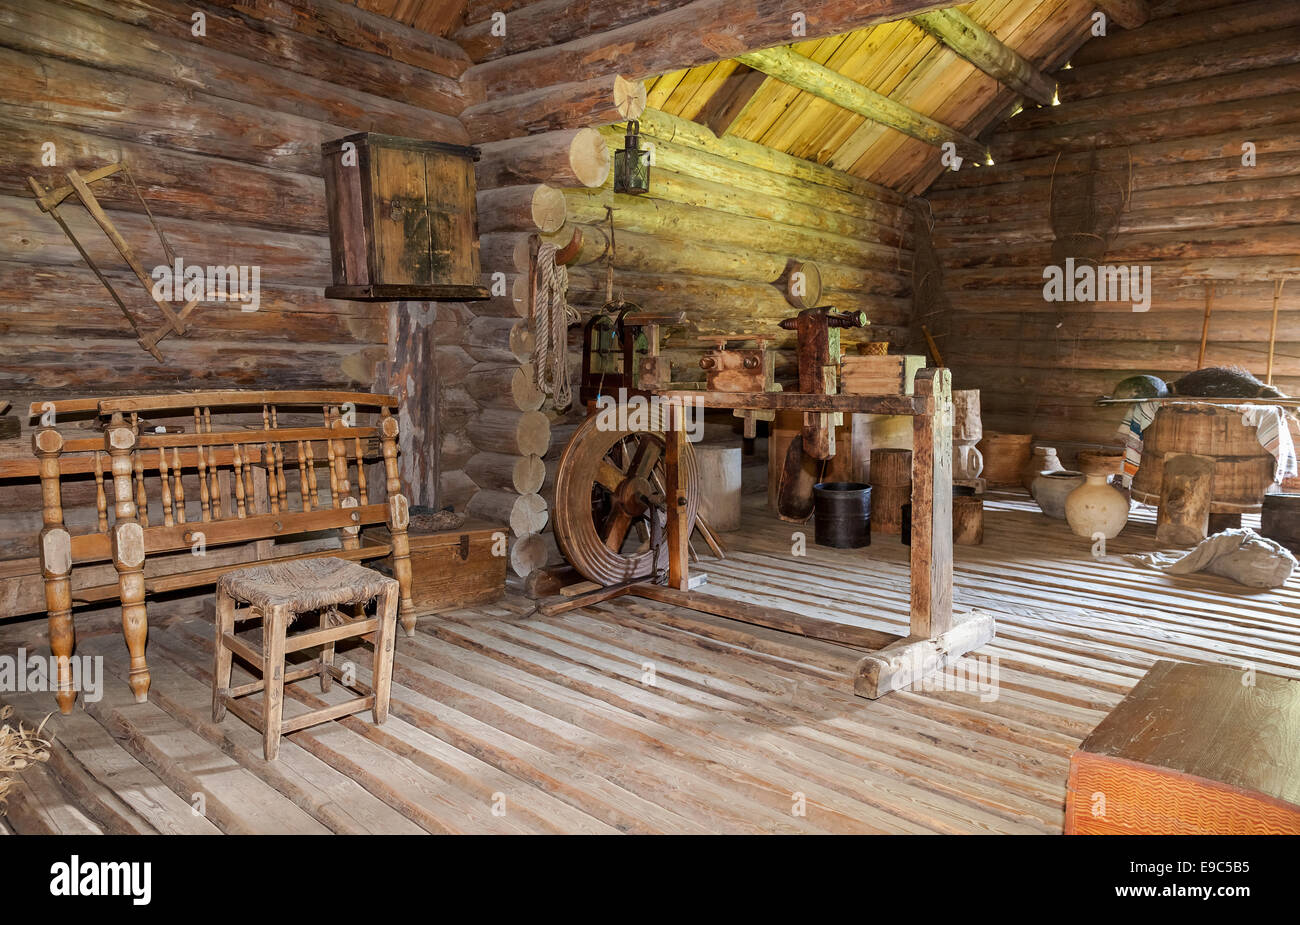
x=1128 y=13
x=805 y=74
x=729 y=100
x=986 y=51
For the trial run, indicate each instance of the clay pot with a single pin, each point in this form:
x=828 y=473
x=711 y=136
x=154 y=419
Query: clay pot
x=1097 y=506
x=1044 y=459
x=1050 y=489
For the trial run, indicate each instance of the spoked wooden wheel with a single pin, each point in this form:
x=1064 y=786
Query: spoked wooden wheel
x=609 y=502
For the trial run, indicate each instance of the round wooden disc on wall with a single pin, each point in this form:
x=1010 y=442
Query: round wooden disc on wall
x=527 y=554
x=629 y=97
x=589 y=157
x=800 y=283
x=528 y=515
x=519 y=295
x=522 y=341
x=549 y=209
x=524 y=390
x=529 y=474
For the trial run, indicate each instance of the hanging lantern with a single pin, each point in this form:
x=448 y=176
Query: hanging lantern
x=631 y=164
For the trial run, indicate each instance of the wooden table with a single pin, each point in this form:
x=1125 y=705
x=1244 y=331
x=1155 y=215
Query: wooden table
x=936 y=636
x=1192 y=750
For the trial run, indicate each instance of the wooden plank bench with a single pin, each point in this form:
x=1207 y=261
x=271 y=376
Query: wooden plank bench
x=230 y=480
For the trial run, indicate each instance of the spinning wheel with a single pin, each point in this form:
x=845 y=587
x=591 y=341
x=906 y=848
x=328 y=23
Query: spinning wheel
x=609 y=502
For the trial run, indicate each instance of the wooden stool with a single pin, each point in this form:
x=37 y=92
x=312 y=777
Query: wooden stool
x=278 y=592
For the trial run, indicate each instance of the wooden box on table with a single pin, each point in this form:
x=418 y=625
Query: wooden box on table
x=451 y=568
x=1192 y=750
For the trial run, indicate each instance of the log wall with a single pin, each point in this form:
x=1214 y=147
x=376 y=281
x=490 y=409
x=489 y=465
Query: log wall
x=1168 y=107
x=222 y=134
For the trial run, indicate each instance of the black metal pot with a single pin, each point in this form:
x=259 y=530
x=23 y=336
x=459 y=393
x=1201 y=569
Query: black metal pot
x=842 y=514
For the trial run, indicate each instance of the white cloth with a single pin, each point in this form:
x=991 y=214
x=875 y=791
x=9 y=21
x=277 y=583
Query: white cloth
x=1242 y=555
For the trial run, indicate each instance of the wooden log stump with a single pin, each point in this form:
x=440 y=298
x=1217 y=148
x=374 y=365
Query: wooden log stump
x=891 y=488
x=1186 y=490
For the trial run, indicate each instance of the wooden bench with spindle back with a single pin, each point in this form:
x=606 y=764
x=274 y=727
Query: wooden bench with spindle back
x=229 y=481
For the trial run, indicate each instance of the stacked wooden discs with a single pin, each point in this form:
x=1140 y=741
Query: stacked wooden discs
x=891 y=488
x=521 y=194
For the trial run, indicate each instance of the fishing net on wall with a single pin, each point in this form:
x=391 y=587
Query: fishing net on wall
x=1085 y=209
x=930 y=305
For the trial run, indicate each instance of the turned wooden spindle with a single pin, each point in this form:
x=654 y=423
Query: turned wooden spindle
x=205 y=502
x=361 y=471
x=179 y=491
x=214 y=471
x=128 y=553
x=238 y=463
x=141 y=499
x=166 y=491
x=313 y=489
x=304 y=499
x=278 y=484
x=335 y=495
x=398 y=519
x=56 y=562
x=101 y=500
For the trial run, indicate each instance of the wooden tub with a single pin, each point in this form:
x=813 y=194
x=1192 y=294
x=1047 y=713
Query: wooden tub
x=1243 y=470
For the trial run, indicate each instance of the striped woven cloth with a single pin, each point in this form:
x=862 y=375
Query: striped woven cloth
x=1137 y=420
x=1271 y=428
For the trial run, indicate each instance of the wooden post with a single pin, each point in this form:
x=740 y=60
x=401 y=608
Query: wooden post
x=128 y=553
x=1205 y=323
x=56 y=562
x=932 y=506
x=398 y=519
x=1272 y=330
x=675 y=498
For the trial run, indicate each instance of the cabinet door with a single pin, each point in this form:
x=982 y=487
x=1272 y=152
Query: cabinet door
x=401 y=219
x=452 y=219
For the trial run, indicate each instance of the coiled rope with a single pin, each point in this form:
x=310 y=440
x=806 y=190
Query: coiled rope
x=552 y=316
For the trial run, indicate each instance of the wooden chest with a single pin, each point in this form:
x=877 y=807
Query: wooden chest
x=402 y=216
x=1192 y=750
x=453 y=568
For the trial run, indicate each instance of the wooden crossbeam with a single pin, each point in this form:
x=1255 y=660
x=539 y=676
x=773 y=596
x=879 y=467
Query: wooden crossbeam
x=983 y=49
x=729 y=100
x=1128 y=13
x=790 y=67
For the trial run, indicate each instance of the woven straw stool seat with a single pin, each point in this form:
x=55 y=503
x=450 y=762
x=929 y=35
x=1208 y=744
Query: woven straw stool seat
x=303 y=584
x=279 y=593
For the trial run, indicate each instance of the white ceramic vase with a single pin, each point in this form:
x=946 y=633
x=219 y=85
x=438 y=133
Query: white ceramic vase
x=1096 y=506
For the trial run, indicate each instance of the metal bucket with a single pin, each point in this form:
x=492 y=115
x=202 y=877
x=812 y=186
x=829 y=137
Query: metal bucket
x=842 y=514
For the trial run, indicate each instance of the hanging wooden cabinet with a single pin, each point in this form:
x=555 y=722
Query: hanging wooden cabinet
x=402 y=219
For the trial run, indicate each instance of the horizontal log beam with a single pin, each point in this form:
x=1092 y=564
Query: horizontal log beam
x=697 y=33
x=803 y=73
x=1128 y=13
x=983 y=49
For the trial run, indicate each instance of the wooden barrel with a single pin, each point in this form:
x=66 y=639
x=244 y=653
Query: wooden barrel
x=1005 y=456
x=1243 y=470
x=1280 y=520
x=891 y=488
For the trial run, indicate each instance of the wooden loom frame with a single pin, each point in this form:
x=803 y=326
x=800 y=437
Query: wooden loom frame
x=891 y=661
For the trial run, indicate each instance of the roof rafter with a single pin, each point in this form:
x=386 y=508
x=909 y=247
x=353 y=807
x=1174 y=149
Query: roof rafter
x=987 y=52
x=790 y=67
